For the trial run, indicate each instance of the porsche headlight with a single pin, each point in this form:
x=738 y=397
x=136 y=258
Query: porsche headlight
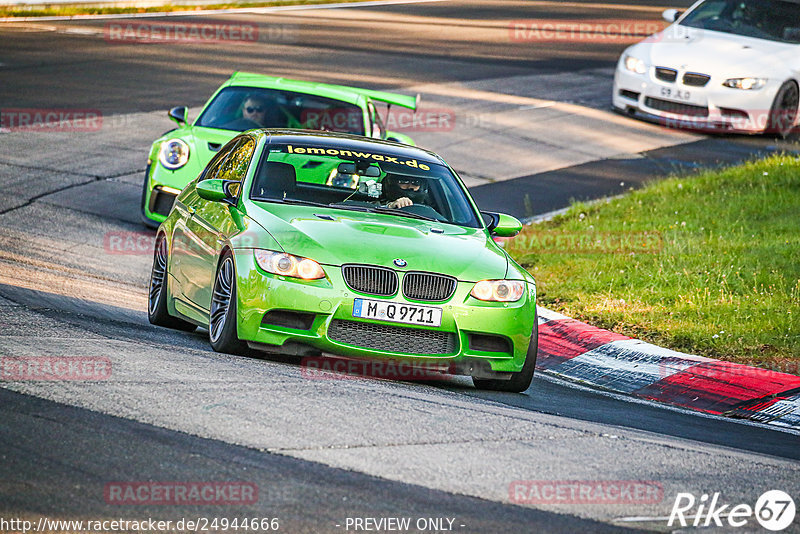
x=173 y=154
x=747 y=84
x=634 y=64
x=499 y=290
x=289 y=265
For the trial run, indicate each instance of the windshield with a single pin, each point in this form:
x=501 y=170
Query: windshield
x=362 y=181
x=775 y=20
x=245 y=108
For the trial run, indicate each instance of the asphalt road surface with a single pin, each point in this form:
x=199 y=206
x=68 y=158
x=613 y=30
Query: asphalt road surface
x=322 y=451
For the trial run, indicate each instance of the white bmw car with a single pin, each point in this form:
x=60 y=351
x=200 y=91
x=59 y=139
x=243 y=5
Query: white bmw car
x=723 y=65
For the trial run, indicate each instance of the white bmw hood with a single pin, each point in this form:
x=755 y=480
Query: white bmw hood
x=717 y=53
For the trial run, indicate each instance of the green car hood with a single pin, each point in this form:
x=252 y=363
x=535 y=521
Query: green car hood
x=377 y=239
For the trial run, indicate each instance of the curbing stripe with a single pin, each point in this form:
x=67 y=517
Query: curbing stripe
x=720 y=387
x=593 y=356
x=625 y=366
x=783 y=410
x=561 y=340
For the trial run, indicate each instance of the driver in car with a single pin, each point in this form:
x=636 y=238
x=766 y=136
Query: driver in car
x=254 y=108
x=258 y=112
x=400 y=191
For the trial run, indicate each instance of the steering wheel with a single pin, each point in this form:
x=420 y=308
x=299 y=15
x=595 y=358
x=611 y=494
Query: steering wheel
x=425 y=211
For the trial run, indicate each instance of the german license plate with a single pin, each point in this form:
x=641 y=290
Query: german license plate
x=396 y=312
x=676 y=94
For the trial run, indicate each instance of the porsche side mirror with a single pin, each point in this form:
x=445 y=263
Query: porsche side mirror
x=213 y=190
x=179 y=114
x=671 y=15
x=501 y=225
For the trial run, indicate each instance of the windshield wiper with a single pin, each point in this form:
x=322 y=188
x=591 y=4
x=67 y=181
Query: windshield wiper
x=353 y=207
x=293 y=201
x=395 y=211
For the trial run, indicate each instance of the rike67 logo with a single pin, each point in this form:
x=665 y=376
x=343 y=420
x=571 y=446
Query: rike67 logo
x=774 y=510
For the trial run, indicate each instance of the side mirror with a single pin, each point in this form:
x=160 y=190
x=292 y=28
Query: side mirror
x=671 y=15
x=179 y=114
x=213 y=190
x=502 y=225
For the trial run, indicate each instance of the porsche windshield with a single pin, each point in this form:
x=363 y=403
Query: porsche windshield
x=774 y=20
x=332 y=176
x=245 y=108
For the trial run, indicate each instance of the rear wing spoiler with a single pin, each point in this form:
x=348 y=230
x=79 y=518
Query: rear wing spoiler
x=410 y=102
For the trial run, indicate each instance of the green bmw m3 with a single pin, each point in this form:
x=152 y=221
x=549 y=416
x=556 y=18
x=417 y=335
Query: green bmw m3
x=247 y=101
x=305 y=243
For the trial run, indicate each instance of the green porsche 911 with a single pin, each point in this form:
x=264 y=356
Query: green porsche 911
x=247 y=101
x=303 y=243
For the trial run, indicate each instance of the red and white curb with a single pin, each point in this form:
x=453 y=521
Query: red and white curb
x=586 y=354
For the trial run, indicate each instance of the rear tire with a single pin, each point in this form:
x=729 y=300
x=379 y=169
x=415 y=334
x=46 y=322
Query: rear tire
x=783 y=114
x=157 y=312
x=222 y=331
x=521 y=380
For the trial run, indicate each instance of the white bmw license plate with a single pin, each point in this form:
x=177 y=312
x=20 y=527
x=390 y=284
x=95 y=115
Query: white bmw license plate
x=396 y=312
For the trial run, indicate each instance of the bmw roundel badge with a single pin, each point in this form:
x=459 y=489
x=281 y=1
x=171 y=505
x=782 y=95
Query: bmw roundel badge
x=400 y=262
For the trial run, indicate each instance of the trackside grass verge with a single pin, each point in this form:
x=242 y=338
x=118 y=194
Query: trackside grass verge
x=54 y=10
x=707 y=264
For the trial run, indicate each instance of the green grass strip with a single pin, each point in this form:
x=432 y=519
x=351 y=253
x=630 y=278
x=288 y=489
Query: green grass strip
x=73 y=10
x=707 y=264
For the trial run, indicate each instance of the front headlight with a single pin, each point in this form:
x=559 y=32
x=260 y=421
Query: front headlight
x=173 y=154
x=634 y=64
x=288 y=265
x=747 y=84
x=498 y=290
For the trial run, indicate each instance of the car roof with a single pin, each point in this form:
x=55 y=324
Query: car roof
x=344 y=93
x=347 y=142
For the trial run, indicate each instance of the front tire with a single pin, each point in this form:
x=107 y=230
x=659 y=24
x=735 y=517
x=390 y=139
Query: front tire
x=157 y=312
x=222 y=331
x=783 y=114
x=521 y=380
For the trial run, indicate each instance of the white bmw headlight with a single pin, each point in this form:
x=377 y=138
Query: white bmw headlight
x=499 y=290
x=288 y=265
x=173 y=154
x=634 y=64
x=748 y=84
